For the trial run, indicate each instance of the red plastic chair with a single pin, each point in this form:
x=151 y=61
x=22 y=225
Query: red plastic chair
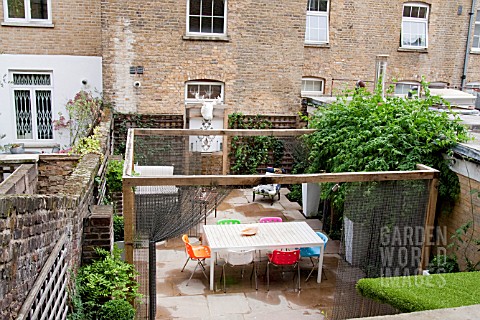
x=270 y=219
x=197 y=253
x=284 y=258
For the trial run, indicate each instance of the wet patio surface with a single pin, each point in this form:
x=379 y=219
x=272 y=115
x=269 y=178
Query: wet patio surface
x=175 y=300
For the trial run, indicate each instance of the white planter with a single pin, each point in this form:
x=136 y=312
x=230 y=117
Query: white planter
x=310 y=199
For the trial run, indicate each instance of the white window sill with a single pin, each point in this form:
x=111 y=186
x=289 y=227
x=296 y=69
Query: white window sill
x=206 y=37
x=27 y=24
x=317 y=45
x=474 y=51
x=419 y=50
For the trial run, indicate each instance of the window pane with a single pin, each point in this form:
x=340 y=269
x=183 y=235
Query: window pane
x=414 y=34
x=218 y=8
x=216 y=91
x=422 y=12
x=44 y=114
x=217 y=25
x=39 y=9
x=406 y=11
x=194 y=24
x=316 y=28
x=204 y=91
x=206 y=25
x=478 y=16
x=195 y=7
x=23 y=112
x=414 y=13
x=476 y=36
x=323 y=5
x=16 y=9
x=30 y=79
x=313 y=5
x=192 y=89
x=207 y=7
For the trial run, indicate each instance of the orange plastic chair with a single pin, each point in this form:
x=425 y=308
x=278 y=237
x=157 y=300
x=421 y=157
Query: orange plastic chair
x=280 y=258
x=197 y=253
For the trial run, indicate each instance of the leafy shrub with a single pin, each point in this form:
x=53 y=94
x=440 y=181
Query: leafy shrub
x=116 y=309
x=118 y=228
x=251 y=152
x=114 y=176
x=443 y=264
x=105 y=279
x=370 y=133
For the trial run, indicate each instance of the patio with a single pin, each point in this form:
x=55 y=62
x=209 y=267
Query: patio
x=175 y=300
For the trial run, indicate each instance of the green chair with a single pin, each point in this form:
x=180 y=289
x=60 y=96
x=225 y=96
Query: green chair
x=228 y=221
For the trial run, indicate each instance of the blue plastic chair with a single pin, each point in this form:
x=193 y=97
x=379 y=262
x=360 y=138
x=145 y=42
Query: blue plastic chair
x=314 y=253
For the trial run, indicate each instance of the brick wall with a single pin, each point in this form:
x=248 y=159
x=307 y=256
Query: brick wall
x=360 y=30
x=98 y=232
x=52 y=170
x=30 y=226
x=76 y=31
x=467 y=208
x=22 y=181
x=261 y=64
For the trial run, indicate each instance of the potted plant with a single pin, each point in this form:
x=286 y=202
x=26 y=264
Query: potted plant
x=17 y=148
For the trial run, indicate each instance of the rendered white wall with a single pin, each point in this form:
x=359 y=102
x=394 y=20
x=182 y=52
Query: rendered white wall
x=68 y=73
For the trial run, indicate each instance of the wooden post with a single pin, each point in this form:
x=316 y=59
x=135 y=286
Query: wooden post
x=128 y=214
x=429 y=222
x=225 y=144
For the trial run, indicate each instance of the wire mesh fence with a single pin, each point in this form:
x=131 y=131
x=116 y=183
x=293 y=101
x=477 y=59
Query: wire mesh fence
x=382 y=236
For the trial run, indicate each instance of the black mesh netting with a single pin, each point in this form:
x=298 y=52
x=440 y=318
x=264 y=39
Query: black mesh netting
x=166 y=212
x=382 y=236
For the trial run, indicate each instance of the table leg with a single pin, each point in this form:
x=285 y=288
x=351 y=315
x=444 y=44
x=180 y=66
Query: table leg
x=320 y=264
x=212 y=269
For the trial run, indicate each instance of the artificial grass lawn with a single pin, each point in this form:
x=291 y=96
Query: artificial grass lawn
x=418 y=293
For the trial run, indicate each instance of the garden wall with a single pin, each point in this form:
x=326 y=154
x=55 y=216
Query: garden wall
x=31 y=224
x=466 y=208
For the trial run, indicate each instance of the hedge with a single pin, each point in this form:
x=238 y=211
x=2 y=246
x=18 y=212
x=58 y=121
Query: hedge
x=418 y=293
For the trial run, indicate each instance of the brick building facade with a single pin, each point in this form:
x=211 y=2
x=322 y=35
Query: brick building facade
x=262 y=54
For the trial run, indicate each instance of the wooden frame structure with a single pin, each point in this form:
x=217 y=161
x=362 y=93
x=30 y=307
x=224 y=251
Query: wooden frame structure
x=129 y=180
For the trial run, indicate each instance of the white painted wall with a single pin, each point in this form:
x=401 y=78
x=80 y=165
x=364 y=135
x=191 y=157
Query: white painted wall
x=196 y=143
x=68 y=73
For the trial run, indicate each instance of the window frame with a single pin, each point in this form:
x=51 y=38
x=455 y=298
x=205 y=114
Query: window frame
x=416 y=20
x=305 y=93
x=411 y=83
x=477 y=23
x=325 y=14
x=204 y=82
x=33 y=103
x=28 y=14
x=206 y=34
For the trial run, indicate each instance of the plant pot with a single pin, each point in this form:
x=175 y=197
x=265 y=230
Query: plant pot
x=17 y=150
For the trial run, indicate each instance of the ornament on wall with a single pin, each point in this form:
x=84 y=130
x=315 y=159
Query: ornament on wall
x=207 y=115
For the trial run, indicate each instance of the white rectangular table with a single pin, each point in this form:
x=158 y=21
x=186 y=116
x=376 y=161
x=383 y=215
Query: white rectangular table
x=269 y=236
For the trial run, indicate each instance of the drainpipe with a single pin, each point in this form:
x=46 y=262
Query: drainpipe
x=381 y=72
x=467 y=50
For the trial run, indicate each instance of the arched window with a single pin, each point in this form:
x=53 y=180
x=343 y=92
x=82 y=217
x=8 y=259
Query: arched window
x=203 y=90
x=312 y=86
x=438 y=85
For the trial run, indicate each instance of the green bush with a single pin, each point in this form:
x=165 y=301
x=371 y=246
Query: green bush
x=118 y=228
x=372 y=133
x=116 y=309
x=114 y=176
x=418 y=293
x=108 y=278
x=443 y=264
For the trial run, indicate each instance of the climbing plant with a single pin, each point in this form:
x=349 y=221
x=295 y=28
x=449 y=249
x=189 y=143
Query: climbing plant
x=251 y=152
x=366 y=132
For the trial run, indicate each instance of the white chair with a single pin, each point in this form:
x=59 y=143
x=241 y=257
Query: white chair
x=239 y=258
